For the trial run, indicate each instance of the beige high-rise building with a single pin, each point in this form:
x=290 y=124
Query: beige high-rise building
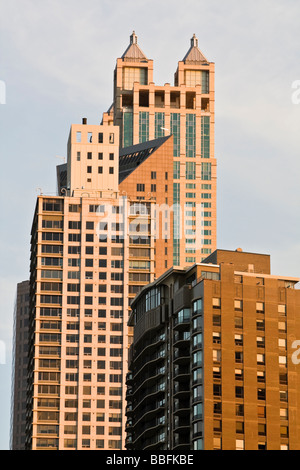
x=84 y=249
x=186 y=110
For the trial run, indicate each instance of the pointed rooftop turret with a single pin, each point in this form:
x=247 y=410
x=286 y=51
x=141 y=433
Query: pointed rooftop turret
x=133 y=52
x=194 y=55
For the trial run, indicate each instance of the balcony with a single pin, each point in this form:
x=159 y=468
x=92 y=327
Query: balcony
x=129 y=378
x=181 y=339
x=181 y=356
x=149 y=378
x=181 y=441
x=182 y=319
x=181 y=390
x=149 y=429
x=182 y=423
x=181 y=407
x=158 y=442
x=181 y=373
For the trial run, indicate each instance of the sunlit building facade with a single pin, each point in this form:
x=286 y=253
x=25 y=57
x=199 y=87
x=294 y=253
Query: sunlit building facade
x=145 y=111
x=213 y=363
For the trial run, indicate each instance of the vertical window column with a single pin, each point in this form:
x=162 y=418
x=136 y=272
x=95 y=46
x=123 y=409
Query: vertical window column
x=191 y=135
x=144 y=126
x=159 y=125
x=175 y=130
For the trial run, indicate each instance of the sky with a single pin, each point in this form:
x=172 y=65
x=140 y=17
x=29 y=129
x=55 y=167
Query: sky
x=56 y=67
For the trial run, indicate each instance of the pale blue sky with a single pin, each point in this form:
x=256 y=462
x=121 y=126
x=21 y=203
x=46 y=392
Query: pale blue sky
x=57 y=61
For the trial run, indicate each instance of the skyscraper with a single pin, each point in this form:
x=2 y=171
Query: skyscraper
x=211 y=364
x=133 y=199
x=144 y=111
x=19 y=367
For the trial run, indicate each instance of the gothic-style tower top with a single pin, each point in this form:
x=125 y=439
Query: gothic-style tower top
x=133 y=52
x=194 y=55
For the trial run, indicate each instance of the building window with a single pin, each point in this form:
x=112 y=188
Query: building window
x=238 y=339
x=111 y=170
x=216 y=338
x=218 y=407
x=216 y=372
x=176 y=170
x=260 y=325
x=216 y=355
x=217 y=423
x=238 y=305
x=217 y=320
x=111 y=156
x=261 y=393
x=239 y=409
x=283 y=395
x=217 y=390
x=282 y=343
x=282 y=326
x=260 y=341
x=260 y=358
x=198 y=444
x=261 y=411
x=282 y=360
x=261 y=376
x=134 y=74
x=190 y=170
x=238 y=357
x=282 y=309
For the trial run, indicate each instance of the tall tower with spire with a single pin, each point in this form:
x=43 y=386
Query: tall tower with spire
x=145 y=111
